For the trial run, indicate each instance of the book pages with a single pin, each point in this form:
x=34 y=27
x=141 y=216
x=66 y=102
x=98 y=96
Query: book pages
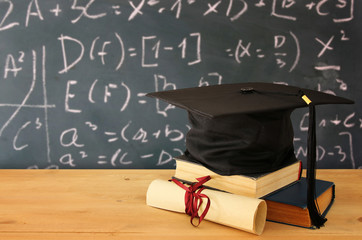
x=237 y=211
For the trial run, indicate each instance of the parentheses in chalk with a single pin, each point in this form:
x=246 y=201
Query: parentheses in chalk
x=297 y=55
x=126 y=102
x=122 y=51
x=123 y=132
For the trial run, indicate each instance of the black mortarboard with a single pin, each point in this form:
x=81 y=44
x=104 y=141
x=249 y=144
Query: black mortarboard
x=246 y=127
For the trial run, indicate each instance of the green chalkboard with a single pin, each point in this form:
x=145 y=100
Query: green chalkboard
x=74 y=74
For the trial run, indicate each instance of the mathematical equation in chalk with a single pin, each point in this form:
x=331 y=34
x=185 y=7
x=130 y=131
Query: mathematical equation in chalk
x=286 y=53
x=127 y=134
x=231 y=9
x=106 y=72
x=143 y=136
x=150 y=52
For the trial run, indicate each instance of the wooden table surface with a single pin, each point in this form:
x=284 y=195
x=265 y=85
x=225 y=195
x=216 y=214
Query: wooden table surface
x=111 y=204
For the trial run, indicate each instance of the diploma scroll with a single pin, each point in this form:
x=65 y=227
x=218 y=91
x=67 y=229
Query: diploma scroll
x=244 y=213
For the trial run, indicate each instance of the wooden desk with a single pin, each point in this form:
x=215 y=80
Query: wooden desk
x=110 y=204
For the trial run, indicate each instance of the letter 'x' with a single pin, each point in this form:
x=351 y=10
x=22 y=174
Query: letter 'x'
x=137 y=10
x=325 y=45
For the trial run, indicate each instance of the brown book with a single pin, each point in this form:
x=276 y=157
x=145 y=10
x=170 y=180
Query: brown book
x=289 y=205
x=252 y=185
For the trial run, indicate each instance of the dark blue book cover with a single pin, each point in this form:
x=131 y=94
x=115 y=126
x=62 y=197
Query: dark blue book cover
x=286 y=201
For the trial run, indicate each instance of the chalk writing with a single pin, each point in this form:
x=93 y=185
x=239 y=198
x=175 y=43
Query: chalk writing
x=234 y=10
x=74 y=74
x=245 y=50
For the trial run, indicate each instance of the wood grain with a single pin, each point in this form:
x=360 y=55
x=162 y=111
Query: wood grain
x=111 y=204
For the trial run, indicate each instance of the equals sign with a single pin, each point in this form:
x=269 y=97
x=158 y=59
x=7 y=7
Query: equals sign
x=230 y=54
x=141 y=95
x=101 y=162
x=116 y=9
x=259 y=54
x=132 y=52
x=111 y=134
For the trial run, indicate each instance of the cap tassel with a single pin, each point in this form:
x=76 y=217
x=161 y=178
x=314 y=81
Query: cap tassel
x=317 y=219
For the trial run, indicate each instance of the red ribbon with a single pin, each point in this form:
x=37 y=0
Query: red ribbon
x=193 y=198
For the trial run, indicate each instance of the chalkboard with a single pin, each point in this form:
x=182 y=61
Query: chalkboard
x=74 y=74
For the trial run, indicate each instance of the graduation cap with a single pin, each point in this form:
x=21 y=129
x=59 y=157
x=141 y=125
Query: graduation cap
x=246 y=128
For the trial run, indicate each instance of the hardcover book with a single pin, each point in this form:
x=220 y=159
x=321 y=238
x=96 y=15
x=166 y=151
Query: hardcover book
x=289 y=205
x=251 y=185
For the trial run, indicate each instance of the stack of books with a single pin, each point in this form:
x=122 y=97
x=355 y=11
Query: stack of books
x=284 y=190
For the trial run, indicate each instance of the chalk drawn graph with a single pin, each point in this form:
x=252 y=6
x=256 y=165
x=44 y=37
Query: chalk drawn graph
x=45 y=106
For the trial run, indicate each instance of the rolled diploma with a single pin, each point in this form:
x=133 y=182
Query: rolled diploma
x=241 y=212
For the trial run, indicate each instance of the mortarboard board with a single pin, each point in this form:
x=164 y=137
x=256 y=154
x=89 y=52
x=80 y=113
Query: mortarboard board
x=246 y=127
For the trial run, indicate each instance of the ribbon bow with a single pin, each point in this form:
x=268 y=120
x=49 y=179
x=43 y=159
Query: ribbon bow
x=193 y=198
